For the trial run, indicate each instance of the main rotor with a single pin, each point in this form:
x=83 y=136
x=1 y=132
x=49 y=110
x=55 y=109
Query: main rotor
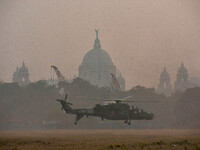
x=123 y=100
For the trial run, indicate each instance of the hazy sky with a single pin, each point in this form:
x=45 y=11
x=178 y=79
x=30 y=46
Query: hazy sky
x=141 y=36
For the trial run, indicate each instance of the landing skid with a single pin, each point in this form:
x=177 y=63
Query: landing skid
x=78 y=117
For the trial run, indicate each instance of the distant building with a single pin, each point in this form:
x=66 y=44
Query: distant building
x=97 y=66
x=164 y=86
x=121 y=81
x=21 y=75
x=181 y=83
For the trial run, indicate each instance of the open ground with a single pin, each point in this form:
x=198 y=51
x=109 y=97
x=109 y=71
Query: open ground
x=100 y=139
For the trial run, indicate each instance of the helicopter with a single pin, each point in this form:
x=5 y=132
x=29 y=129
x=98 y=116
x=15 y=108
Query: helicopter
x=112 y=111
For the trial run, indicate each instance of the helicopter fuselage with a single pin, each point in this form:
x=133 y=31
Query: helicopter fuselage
x=113 y=111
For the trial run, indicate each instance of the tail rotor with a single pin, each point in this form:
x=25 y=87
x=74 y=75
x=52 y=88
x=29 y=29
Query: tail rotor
x=64 y=102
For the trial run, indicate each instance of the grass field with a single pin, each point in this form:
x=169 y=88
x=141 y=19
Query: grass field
x=100 y=140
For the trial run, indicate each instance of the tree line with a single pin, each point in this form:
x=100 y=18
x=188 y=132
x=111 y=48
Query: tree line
x=35 y=105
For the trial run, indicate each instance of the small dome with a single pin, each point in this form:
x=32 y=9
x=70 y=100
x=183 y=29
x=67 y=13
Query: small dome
x=164 y=73
x=23 y=68
x=182 y=69
x=120 y=78
x=17 y=70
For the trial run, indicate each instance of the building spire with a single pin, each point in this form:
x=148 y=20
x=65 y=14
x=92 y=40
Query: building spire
x=97 y=32
x=23 y=64
x=164 y=70
x=182 y=64
x=97 y=41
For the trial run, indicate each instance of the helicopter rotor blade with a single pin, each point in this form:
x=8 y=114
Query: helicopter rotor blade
x=69 y=103
x=94 y=98
x=139 y=101
x=117 y=100
x=120 y=101
x=125 y=98
x=109 y=100
x=114 y=101
x=101 y=99
x=66 y=96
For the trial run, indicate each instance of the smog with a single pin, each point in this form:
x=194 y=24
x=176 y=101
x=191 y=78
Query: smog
x=99 y=74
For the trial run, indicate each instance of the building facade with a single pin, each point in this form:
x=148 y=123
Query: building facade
x=164 y=86
x=97 y=66
x=121 y=81
x=21 y=75
x=181 y=83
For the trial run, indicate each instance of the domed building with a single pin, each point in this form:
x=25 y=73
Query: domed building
x=21 y=75
x=164 y=86
x=97 y=66
x=182 y=82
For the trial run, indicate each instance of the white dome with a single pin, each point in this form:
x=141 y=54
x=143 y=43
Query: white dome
x=97 y=58
x=97 y=66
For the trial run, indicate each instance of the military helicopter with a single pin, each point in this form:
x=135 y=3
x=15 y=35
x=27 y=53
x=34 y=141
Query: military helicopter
x=112 y=111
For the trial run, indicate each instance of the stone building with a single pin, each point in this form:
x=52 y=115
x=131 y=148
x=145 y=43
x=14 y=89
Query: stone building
x=121 y=81
x=164 y=86
x=97 y=66
x=182 y=82
x=21 y=75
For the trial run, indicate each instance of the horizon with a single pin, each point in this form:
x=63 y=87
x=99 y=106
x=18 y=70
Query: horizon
x=141 y=37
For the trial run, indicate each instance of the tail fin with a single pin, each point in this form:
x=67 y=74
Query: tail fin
x=65 y=105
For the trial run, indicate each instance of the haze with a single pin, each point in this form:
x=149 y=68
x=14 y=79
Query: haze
x=141 y=36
